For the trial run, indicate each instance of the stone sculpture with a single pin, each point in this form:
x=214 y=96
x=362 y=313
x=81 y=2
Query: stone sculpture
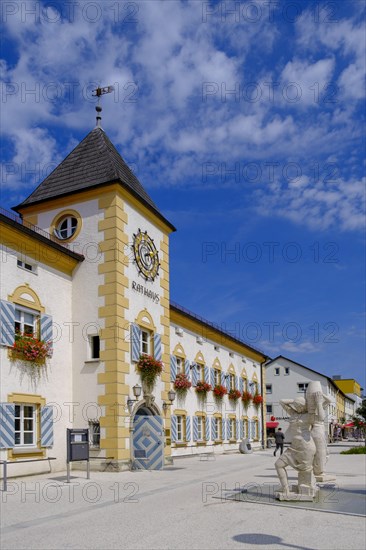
x=300 y=455
x=308 y=450
x=317 y=403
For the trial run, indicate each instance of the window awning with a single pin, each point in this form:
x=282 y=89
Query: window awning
x=272 y=424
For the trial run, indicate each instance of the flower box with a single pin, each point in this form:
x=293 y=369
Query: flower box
x=219 y=391
x=182 y=384
x=149 y=369
x=30 y=349
x=257 y=400
x=234 y=395
x=246 y=398
x=202 y=388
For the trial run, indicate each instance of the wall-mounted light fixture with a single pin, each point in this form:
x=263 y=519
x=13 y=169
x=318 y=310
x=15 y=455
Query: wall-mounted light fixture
x=171 y=397
x=136 y=392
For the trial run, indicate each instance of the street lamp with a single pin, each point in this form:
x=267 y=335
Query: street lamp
x=136 y=392
x=171 y=397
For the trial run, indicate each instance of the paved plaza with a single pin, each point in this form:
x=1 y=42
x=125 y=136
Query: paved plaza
x=187 y=505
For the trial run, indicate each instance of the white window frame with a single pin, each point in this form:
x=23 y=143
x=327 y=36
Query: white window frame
x=268 y=388
x=233 y=428
x=180 y=428
x=301 y=389
x=27 y=266
x=94 y=434
x=199 y=428
x=22 y=311
x=287 y=371
x=180 y=365
x=70 y=229
x=217 y=377
x=145 y=343
x=277 y=371
x=218 y=426
x=22 y=420
x=269 y=408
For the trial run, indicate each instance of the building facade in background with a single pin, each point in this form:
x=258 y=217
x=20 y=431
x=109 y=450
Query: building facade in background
x=286 y=379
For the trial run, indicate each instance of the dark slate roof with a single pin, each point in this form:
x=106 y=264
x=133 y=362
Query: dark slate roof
x=94 y=162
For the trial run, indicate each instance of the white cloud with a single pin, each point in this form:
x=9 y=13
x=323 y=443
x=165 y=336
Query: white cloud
x=308 y=80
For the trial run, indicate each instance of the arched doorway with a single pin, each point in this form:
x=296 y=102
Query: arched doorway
x=147 y=439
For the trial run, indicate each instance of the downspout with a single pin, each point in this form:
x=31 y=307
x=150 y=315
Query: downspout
x=262 y=407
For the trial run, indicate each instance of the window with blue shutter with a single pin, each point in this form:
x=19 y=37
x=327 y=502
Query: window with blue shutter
x=188 y=428
x=207 y=374
x=7 y=425
x=135 y=342
x=228 y=428
x=173 y=368
x=223 y=383
x=46 y=330
x=157 y=347
x=173 y=427
x=223 y=428
x=195 y=373
x=237 y=429
x=7 y=323
x=212 y=377
x=207 y=429
x=187 y=368
x=241 y=385
x=47 y=426
x=195 y=428
x=213 y=429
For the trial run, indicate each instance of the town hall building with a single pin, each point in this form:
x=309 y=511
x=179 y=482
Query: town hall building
x=85 y=293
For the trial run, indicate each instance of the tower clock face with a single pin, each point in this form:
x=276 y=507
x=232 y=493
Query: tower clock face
x=146 y=255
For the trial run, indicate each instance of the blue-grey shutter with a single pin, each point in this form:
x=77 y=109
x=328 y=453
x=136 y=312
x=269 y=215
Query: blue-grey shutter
x=207 y=374
x=241 y=384
x=212 y=377
x=47 y=426
x=241 y=433
x=195 y=428
x=187 y=368
x=7 y=323
x=207 y=428
x=213 y=429
x=228 y=428
x=135 y=342
x=173 y=368
x=222 y=379
x=157 y=347
x=228 y=382
x=195 y=375
x=46 y=330
x=188 y=428
x=236 y=382
x=7 y=425
x=237 y=429
x=223 y=428
x=173 y=427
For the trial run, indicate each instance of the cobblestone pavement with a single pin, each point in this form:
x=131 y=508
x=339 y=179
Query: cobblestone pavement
x=181 y=507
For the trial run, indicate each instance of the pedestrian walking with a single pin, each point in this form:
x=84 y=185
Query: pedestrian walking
x=279 y=439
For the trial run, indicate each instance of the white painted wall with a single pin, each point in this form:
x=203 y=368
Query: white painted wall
x=55 y=384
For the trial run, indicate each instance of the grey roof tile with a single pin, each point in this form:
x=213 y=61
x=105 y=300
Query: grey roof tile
x=94 y=162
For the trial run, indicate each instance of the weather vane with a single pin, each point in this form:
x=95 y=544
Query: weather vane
x=97 y=93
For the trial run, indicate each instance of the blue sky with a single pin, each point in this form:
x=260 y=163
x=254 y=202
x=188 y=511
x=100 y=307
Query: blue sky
x=244 y=121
